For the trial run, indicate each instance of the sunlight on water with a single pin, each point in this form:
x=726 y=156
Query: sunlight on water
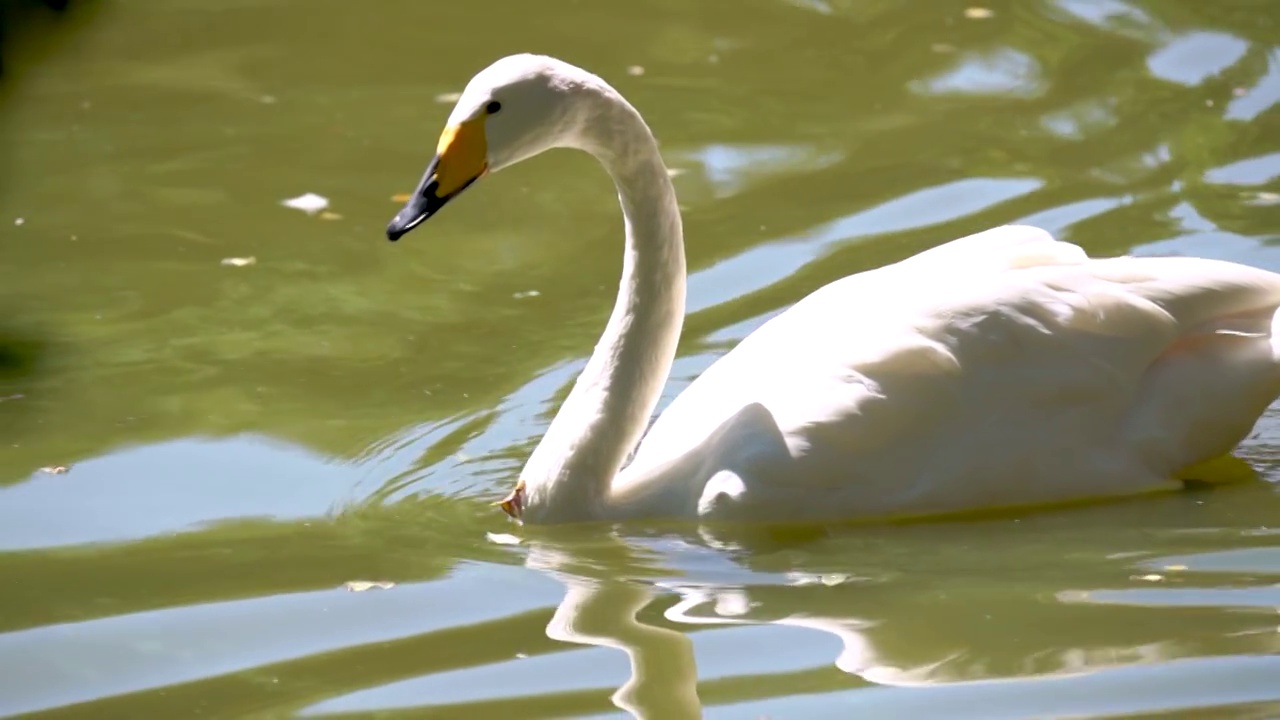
x=1001 y=72
x=1196 y=57
x=117 y=497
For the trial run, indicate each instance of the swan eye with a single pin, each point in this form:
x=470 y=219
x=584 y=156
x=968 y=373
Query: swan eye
x=493 y=107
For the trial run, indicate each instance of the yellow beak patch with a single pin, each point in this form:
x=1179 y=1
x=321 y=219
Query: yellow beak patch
x=461 y=156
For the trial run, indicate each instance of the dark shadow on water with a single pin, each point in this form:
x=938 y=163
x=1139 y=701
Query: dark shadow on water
x=22 y=355
x=16 y=16
x=29 y=29
x=17 y=356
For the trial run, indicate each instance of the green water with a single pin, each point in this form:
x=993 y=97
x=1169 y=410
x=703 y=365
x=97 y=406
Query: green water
x=243 y=441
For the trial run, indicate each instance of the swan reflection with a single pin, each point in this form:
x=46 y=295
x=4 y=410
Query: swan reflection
x=664 y=601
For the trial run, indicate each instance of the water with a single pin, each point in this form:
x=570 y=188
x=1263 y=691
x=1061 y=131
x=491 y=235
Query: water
x=240 y=442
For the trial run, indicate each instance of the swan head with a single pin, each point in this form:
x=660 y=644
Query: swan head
x=512 y=110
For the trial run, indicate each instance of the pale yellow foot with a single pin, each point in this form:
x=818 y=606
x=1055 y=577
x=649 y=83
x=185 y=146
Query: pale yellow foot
x=1217 y=471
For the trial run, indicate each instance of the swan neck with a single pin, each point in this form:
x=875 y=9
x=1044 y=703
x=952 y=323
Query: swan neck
x=605 y=415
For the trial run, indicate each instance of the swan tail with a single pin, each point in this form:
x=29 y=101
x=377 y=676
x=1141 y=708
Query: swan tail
x=1204 y=394
x=1275 y=335
x=1228 y=468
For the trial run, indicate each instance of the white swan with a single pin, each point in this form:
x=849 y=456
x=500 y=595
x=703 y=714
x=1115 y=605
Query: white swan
x=999 y=370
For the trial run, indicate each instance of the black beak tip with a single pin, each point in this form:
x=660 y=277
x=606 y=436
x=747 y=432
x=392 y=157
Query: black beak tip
x=414 y=213
x=424 y=203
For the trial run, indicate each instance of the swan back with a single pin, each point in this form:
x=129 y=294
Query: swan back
x=1004 y=368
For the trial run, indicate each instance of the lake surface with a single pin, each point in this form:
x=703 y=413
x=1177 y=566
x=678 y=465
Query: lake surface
x=241 y=441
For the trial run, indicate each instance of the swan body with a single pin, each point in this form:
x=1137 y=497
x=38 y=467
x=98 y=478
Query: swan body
x=1003 y=369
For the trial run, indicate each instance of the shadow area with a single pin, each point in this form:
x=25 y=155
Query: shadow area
x=19 y=17
x=29 y=30
x=23 y=354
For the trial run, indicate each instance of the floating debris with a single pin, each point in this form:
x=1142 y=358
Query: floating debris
x=829 y=579
x=363 y=585
x=635 y=70
x=19 y=221
x=239 y=261
x=676 y=172
x=502 y=538
x=979 y=13
x=55 y=470
x=309 y=203
x=449 y=97
x=326 y=215
x=1174 y=568
x=525 y=294
x=1151 y=577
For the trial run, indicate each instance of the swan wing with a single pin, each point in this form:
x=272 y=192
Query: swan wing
x=1004 y=368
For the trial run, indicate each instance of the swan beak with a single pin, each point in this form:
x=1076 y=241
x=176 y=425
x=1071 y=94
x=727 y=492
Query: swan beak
x=513 y=504
x=461 y=159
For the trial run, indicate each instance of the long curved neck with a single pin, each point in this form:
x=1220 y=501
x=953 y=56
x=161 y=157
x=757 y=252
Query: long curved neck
x=569 y=474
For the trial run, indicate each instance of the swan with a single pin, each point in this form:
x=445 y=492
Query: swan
x=1005 y=369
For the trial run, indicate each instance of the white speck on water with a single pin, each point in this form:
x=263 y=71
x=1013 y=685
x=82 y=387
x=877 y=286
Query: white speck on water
x=309 y=203
x=502 y=538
